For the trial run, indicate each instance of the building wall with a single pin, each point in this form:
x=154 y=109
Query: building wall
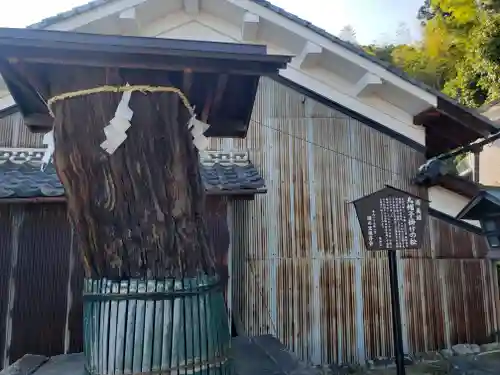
x=13 y=133
x=300 y=270
x=489 y=159
x=37 y=270
x=489 y=165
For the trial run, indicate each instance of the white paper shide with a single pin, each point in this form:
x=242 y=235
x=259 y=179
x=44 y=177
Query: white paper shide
x=48 y=140
x=198 y=128
x=115 y=132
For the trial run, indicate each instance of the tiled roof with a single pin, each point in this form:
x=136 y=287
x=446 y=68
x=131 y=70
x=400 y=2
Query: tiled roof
x=28 y=181
x=46 y=22
x=223 y=173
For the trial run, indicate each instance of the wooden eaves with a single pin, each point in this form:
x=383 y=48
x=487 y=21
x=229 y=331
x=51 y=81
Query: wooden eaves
x=220 y=79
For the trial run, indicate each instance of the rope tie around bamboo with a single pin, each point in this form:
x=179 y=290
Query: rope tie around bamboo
x=115 y=131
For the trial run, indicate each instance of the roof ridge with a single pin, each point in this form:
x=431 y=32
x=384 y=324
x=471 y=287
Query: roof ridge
x=20 y=155
x=93 y=4
x=281 y=11
x=294 y=18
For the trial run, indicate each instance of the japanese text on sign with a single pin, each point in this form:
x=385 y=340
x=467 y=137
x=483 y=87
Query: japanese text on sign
x=392 y=219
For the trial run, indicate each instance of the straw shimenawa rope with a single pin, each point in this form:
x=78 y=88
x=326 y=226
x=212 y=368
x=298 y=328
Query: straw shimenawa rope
x=107 y=88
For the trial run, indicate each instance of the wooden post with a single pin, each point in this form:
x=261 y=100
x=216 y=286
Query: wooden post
x=140 y=211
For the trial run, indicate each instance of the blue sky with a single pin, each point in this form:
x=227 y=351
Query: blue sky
x=372 y=19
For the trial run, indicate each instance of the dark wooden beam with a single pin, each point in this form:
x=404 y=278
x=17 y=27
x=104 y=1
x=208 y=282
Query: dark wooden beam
x=187 y=81
x=145 y=62
x=43 y=53
x=425 y=116
x=447 y=132
x=219 y=128
x=214 y=98
x=128 y=44
x=32 y=200
x=219 y=92
x=21 y=89
x=207 y=106
x=466 y=117
x=34 y=78
x=459 y=185
x=235 y=194
x=40 y=121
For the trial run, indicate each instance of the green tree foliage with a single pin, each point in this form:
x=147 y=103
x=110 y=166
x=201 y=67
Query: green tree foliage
x=383 y=53
x=459 y=52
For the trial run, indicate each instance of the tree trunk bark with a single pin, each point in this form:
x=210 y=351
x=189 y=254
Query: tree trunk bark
x=140 y=211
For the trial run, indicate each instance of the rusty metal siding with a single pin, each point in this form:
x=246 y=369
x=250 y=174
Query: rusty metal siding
x=424 y=305
x=454 y=242
x=9 y=126
x=450 y=290
x=13 y=133
x=34 y=253
x=219 y=233
x=44 y=249
x=29 y=139
x=74 y=325
x=377 y=308
x=5 y=260
x=300 y=269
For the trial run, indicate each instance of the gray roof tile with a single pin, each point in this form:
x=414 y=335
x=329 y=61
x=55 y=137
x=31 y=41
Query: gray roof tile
x=68 y=14
x=231 y=177
x=26 y=180
x=220 y=174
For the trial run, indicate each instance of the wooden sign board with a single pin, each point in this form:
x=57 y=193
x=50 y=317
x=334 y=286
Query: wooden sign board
x=392 y=219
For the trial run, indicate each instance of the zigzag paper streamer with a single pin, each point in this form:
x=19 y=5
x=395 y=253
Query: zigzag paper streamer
x=48 y=140
x=197 y=129
x=115 y=132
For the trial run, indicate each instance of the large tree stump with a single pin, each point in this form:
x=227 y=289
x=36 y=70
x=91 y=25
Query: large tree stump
x=139 y=212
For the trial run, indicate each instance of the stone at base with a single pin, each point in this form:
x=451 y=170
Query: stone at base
x=490 y=347
x=383 y=362
x=25 y=366
x=475 y=348
x=447 y=353
x=341 y=370
x=461 y=349
x=428 y=357
x=409 y=360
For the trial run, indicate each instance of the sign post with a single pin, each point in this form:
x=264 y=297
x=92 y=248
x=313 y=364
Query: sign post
x=392 y=220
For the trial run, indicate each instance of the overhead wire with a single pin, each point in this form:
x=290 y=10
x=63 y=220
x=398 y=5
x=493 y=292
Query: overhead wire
x=329 y=149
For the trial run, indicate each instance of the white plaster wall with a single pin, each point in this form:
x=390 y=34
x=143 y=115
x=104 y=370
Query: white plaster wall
x=448 y=202
x=489 y=165
x=489 y=159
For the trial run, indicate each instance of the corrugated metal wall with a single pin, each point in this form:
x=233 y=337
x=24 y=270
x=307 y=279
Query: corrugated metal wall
x=35 y=251
x=41 y=278
x=300 y=269
x=13 y=133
